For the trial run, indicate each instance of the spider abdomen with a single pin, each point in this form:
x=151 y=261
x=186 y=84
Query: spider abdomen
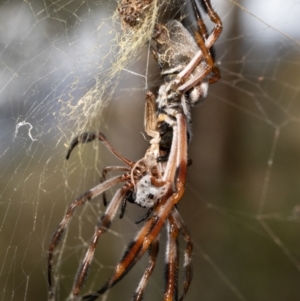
x=147 y=194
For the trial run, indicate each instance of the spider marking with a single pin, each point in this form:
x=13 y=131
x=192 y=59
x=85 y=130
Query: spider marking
x=147 y=194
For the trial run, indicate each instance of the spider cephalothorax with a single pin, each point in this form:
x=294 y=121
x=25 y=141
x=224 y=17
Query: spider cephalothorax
x=157 y=181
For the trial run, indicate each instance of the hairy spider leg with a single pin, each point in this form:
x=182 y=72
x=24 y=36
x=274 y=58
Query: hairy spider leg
x=103 y=225
x=172 y=261
x=150 y=119
x=187 y=264
x=204 y=45
x=87 y=196
x=153 y=252
x=201 y=36
x=107 y=169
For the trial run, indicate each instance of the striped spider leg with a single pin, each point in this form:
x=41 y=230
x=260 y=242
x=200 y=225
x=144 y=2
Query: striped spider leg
x=187 y=60
x=87 y=196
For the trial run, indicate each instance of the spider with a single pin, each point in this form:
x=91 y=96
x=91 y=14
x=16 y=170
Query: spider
x=157 y=181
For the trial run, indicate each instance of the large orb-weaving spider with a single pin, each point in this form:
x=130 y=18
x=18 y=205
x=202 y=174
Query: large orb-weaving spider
x=157 y=180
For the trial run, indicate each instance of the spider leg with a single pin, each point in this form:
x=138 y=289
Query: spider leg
x=182 y=160
x=91 y=136
x=103 y=177
x=201 y=35
x=180 y=84
x=187 y=264
x=87 y=196
x=212 y=15
x=127 y=198
x=202 y=29
x=103 y=226
x=171 y=271
x=125 y=263
x=174 y=215
x=170 y=169
x=204 y=45
x=144 y=217
x=153 y=251
x=150 y=120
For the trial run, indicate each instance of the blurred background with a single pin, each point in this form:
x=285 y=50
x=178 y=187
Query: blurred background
x=242 y=202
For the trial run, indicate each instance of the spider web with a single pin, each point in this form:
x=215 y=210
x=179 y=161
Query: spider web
x=62 y=72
